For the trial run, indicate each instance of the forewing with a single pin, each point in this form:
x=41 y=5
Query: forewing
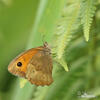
x=24 y=58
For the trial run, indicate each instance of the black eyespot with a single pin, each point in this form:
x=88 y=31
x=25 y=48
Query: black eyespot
x=19 y=64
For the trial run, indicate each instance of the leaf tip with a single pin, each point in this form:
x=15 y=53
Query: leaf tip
x=66 y=69
x=22 y=82
x=86 y=38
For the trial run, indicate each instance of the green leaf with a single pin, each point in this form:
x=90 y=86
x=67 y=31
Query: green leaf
x=63 y=64
x=88 y=10
x=66 y=26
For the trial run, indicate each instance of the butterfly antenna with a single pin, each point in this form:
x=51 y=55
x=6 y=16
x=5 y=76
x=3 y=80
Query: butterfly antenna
x=43 y=38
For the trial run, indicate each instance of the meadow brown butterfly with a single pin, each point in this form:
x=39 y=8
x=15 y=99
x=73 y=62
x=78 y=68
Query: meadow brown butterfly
x=35 y=65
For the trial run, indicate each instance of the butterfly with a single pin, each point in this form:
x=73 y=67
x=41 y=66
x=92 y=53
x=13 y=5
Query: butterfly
x=35 y=65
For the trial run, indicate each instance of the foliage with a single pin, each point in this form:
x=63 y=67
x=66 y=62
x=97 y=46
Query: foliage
x=88 y=9
x=63 y=24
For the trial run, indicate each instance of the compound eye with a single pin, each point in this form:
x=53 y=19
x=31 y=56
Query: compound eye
x=19 y=64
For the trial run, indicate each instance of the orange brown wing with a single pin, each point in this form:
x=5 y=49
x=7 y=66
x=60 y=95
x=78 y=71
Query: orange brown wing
x=24 y=59
x=39 y=69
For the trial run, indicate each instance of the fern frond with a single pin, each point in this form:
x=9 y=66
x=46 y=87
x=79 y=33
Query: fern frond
x=66 y=28
x=87 y=12
x=63 y=63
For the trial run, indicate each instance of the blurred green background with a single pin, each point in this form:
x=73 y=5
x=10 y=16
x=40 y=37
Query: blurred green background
x=66 y=25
